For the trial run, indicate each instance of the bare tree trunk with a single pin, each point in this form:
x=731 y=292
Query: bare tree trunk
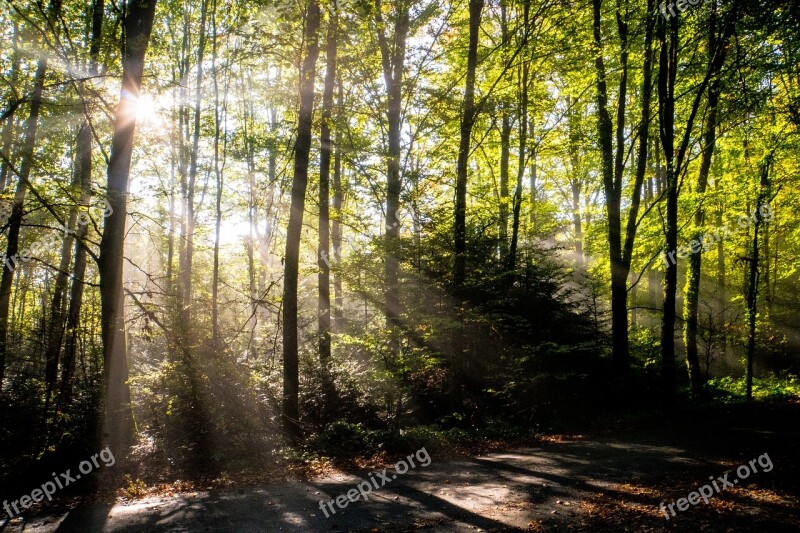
x=291 y=409
x=118 y=422
x=468 y=116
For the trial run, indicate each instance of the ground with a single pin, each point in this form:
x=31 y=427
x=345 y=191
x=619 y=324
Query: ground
x=606 y=481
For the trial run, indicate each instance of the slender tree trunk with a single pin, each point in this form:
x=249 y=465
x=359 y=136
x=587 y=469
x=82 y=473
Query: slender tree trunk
x=302 y=147
x=468 y=116
x=753 y=272
x=576 y=181
x=336 y=227
x=55 y=328
x=83 y=178
x=522 y=121
x=186 y=271
x=15 y=220
x=668 y=36
x=118 y=422
x=324 y=262
x=83 y=171
x=612 y=176
x=393 y=62
x=505 y=144
x=693 y=276
x=7 y=135
x=218 y=172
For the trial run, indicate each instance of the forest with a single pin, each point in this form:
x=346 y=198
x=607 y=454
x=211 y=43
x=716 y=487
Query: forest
x=538 y=257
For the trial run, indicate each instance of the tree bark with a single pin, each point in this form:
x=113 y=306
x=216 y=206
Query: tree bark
x=15 y=220
x=336 y=227
x=694 y=270
x=220 y=182
x=505 y=144
x=753 y=271
x=393 y=62
x=118 y=422
x=468 y=116
x=324 y=263
x=83 y=177
x=522 y=121
x=302 y=147
x=186 y=270
x=7 y=135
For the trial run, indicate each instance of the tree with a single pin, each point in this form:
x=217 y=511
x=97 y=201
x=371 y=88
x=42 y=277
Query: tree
x=302 y=147
x=393 y=59
x=118 y=422
x=468 y=115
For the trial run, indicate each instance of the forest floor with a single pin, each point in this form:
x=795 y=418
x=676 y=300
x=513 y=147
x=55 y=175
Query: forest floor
x=612 y=480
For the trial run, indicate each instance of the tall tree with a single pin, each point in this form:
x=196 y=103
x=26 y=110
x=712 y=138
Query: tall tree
x=83 y=177
x=15 y=220
x=694 y=267
x=522 y=155
x=469 y=112
x=324 y=298
x=118 y=421
x=613 y=166
x=302 y=147
x=189 y=193
x=393 y=57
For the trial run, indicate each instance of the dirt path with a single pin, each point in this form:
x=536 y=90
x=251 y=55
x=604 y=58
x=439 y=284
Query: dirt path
x=597 y=484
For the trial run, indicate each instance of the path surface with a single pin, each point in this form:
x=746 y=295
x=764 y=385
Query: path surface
x=597 y=484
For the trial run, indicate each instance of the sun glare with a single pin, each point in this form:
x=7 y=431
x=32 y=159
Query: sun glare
x=149 y=109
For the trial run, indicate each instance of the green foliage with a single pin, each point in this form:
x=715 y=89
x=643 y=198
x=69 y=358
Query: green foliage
x=773 y=387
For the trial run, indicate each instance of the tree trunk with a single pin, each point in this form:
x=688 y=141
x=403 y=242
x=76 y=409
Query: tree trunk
x=55 y=328
x=612 y=184
x=753 y=272
x=468 y=115
x=695 y=260
x=668 y=36
x=336 y=227
x=15 y=220
x=324 y=263
x=218 y=173
x=186 y=270
x=7 y=135
x=118 y=421
x=505 y=144
x=392 y=62
x=302 y=147
x=83 y=178
x=576 y=181
x=522 y=120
